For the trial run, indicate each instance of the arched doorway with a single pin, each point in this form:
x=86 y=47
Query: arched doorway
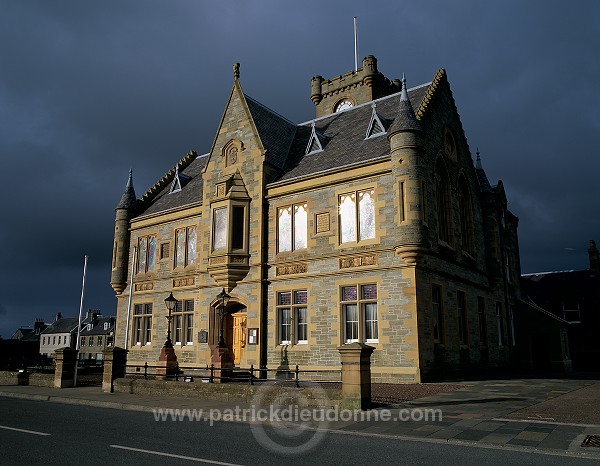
x=235 y=331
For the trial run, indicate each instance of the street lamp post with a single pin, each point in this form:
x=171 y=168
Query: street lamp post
x=170 y=302
x=223 y=298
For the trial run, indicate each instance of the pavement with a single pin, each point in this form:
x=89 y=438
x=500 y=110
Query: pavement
x=551 y=416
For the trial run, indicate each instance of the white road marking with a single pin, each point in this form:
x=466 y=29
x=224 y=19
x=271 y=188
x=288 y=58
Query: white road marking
x=23 y=430
x=171 y=455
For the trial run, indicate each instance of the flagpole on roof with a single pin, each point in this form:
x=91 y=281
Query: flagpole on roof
x=85 y=260
x=355 y=47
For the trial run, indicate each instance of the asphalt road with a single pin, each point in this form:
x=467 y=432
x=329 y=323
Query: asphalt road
x=36 y=432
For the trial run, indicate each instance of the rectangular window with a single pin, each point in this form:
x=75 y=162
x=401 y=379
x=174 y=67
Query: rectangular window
x=437 y=314
x=500 y=324
x=357 y=216
x=482 y=320
x=90 y=341
x=359 y=313
x=292 y=228
x=185 y=246
x=220 y=229
x=82 y=342
x=402 y=201
x=463 y=327
x=54 y=340
x=146 y=254
x=142 y=324
x=292 y=317
x=100 y=340
x=183 y=323
x=237 y=230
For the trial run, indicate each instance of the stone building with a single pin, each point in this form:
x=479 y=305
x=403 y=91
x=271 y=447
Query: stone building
x=574 y=297
x=62 y=333
x=96 y=334
x=369 y=223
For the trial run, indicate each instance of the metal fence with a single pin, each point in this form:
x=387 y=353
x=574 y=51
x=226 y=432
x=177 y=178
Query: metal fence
x=249 y=375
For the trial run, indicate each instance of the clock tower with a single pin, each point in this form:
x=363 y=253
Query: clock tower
x=352 y=89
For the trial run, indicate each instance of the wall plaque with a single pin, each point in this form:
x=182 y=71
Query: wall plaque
x=291 y=269
x=144 y=286
x=177 y=282
x=202 y=336
x=323 y=222
x=358 y=261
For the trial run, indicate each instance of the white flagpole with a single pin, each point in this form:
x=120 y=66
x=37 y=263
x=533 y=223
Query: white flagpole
x=355 y=47
x=79 y=322
x=130 y=296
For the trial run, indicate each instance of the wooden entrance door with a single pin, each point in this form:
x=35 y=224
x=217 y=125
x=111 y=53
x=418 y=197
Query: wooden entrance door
x=239 y=335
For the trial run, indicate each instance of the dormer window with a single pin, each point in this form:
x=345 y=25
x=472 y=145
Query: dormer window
x=314 y=143
x=106 y=326
x=375 y=127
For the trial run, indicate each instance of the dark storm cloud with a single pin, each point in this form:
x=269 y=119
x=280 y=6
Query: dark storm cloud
x=89 y=89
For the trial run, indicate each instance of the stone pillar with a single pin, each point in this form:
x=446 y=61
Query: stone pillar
x=115 y=360
x=221 y=359
x=167 y=363
x=64 y=373
x=356 y=375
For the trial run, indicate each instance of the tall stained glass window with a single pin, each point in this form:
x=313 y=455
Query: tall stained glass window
x=185 y=246
x=219 y=229
x=353 y=214
x=292 y=228
x=146 y=254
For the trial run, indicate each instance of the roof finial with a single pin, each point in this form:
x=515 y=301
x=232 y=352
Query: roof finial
x=478 y=160
x=404 y=95
x=130 y=179
x=236 y=71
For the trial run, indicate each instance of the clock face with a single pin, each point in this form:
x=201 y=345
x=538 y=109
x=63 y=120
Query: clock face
x=343 y=104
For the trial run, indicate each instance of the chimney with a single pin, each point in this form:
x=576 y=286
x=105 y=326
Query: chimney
x=38 y=325
x=58 y=316
x=594 y=259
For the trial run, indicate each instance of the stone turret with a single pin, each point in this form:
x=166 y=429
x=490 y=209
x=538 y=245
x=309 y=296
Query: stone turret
x=405 y=138
x=125 y=211
x=355 y=87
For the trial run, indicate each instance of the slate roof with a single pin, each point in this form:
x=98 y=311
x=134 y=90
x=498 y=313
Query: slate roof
x=342 y=136
x=98 y=329
x=191 y=188
x=276 y=132
x=548 y=290
x=344 y=142
x=128 y=199
x=64 y=325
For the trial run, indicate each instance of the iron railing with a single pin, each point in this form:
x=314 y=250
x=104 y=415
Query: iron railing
x=251 y=375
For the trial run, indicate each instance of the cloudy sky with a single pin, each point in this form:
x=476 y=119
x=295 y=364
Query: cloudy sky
x=89 y=89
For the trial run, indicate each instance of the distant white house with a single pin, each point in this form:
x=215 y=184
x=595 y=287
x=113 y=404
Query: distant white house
x=60 y=334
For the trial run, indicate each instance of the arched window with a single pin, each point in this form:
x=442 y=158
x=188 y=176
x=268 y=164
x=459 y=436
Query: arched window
x=442 y=200
x=466 y=215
